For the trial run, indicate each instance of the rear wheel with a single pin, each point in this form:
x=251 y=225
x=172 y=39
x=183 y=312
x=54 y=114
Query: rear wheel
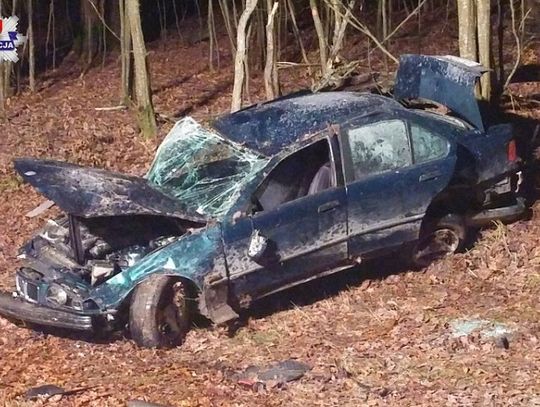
x=159 y=313
x=439 y=238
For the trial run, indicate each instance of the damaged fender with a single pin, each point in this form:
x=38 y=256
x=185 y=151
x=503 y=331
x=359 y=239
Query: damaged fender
x=197 y=257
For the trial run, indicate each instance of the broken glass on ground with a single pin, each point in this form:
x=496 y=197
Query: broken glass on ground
x=274 y=374
x=487 y=329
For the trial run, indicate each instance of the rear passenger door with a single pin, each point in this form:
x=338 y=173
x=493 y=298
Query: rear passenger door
x=394 y=168
x=376 y=153
x=434 y=160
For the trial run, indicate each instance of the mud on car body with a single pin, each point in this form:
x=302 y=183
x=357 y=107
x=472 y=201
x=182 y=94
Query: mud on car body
x=263 y=199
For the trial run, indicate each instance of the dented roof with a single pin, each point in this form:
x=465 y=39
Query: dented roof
x=270 y=127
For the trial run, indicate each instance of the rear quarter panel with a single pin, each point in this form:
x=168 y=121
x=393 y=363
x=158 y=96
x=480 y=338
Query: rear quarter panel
x=490 y=152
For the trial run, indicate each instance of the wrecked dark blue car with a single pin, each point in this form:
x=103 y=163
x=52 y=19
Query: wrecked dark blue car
x=266 y=198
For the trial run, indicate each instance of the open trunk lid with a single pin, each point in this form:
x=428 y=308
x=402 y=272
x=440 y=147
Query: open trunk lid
x=90 y=192
x=447 y=80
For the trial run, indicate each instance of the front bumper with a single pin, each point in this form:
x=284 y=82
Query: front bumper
x=16 y=308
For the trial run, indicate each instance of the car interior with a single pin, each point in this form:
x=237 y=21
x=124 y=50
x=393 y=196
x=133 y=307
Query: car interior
x=303 y=173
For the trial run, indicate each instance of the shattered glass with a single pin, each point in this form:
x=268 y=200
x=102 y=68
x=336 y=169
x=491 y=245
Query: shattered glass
x=379 y=147
x=203 y=170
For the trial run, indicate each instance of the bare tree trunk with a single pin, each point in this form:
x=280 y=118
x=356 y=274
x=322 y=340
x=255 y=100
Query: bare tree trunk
x=320 y=35
x=89 y=17
x=298 y=36
x=467 y=29
x=240 y=58
x=227 y=21
x=126 y=55
x=270 y=68
x=484 y=45
x=212 y=42
x=339 y=30
x=31 y=56
x=2 y=94
x=145 y=110
x=518 y=44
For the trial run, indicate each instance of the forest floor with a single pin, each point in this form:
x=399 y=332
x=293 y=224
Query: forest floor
x=376 y=335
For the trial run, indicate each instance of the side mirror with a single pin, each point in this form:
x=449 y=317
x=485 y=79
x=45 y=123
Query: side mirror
x=257 y=245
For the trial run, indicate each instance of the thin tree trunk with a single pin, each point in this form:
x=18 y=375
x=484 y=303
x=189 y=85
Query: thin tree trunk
x=126 y=55
x=211 y=45
x=270 y=71
x=227 y=21
x=320 y=35
x=145 y=110
x=89 y=26
x=500 y=47
x=484 y=45
x=2 y=95
x=467 y=29
x=31 y=56
x=296 y=32
x=240 y=58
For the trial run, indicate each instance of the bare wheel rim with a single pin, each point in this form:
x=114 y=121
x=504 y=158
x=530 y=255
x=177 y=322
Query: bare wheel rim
x=172 y=313
x=436 y=245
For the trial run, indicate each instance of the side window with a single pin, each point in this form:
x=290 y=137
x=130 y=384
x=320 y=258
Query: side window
x=379 y=147
x=303 y=173
x=426 y=145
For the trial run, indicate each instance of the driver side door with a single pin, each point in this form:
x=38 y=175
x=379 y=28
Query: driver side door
x=305 y=229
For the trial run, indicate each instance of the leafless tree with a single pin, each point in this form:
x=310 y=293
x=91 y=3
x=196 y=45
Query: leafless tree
x=145 y=109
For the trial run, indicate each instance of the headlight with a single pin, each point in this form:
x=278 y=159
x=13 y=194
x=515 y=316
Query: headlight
x=57 y=294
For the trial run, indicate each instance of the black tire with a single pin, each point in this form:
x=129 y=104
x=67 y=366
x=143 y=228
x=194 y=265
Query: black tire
x=159 y=314
x=439 y=238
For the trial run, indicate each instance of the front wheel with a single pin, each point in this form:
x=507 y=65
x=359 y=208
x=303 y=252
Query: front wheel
x=159 y=314
x=439 y=238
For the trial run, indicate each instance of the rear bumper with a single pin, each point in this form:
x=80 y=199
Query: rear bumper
x=16 y=308
x=503 y=214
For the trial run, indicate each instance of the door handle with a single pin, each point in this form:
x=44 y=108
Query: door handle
x=428 y=176
x=328 y=206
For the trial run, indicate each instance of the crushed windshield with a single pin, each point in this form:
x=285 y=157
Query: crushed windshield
x=201 y=169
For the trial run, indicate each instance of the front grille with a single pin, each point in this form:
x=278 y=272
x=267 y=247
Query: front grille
x=28 y=289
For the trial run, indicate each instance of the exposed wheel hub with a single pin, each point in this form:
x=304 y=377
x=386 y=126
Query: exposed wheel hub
x=436 y=245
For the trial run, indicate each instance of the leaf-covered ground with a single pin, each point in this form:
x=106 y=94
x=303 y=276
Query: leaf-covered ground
x=376 y=335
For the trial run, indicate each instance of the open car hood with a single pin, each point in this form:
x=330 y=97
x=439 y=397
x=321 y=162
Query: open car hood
x=91 y=192
x=447 y=80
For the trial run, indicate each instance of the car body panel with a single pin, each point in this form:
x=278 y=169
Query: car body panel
x=90 y=192
x=386 y=209
x=490 y=160
x=270 y=128
x=193 y=257
x=305 y=236
x=447 y=80
x=300 y=234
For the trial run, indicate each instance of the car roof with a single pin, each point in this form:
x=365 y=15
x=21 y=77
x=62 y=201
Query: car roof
x=270 y=127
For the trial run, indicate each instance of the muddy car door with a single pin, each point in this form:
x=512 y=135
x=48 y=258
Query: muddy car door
x=298 y=229
x=434 y=160
x=376 y=152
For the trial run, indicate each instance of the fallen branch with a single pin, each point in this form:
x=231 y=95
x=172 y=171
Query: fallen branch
x=41 y=208
x=119 y=107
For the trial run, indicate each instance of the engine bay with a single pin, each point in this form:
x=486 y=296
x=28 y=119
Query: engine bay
x=95 y=249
